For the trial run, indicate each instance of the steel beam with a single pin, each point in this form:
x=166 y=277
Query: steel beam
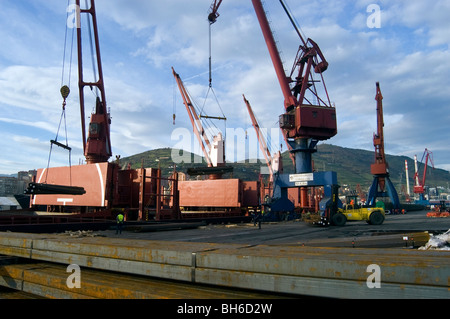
x=314 y=271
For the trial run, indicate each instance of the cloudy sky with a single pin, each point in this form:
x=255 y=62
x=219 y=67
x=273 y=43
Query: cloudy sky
x=406 y=50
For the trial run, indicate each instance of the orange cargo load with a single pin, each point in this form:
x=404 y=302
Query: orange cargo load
x=92 y=177
x=211 y=193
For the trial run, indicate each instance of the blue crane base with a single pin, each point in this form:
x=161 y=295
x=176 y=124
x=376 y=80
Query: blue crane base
x=390 y=192
x=281 y=202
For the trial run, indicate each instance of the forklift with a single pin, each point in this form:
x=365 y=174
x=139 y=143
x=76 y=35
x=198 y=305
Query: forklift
x=336 y=214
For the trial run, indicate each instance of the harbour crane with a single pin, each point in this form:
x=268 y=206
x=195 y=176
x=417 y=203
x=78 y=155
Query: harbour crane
x=309 y=115
x=419 y=184
x=381 y=185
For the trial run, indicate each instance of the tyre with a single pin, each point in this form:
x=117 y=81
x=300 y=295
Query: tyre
x=338 y=219
x=376 y=218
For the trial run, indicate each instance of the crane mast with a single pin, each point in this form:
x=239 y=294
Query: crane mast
x=97 y=145
x=380 y=167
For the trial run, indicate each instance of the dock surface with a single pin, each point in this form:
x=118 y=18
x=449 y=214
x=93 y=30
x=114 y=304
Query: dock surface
x=280 y=259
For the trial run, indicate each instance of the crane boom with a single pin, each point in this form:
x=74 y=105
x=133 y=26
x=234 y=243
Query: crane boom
x=195 y=120
x=213 y=11
x=262 y=142
x=97 y=146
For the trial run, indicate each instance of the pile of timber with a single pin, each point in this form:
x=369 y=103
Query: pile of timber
x=311 y=271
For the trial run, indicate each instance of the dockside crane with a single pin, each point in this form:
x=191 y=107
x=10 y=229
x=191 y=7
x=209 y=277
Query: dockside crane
x=419 y=183
x=381 y=185
x=309 y=116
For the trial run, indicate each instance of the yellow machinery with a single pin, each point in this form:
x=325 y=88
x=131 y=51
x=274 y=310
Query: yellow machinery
x=352 y=212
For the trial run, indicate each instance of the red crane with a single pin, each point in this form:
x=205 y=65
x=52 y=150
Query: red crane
x=307 y=119
x=419 y=184
x=97 y=146
x=304 y=118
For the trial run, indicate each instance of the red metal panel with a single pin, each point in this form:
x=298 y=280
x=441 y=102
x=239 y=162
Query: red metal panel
x=92 y=177
x=251 y=193
x=210 y=193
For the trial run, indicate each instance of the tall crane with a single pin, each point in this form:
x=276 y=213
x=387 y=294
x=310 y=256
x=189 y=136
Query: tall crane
x=306 y=121
x=419 y=184
x=309 y=117
x=97 y=145
x=381 y=185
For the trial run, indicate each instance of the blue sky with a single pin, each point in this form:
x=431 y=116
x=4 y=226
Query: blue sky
x=141 y=40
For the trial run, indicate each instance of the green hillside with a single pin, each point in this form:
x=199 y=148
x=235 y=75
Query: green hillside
x=351 y=165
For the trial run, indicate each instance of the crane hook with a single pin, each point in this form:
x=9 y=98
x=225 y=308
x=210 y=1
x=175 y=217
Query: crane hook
x=65 y=91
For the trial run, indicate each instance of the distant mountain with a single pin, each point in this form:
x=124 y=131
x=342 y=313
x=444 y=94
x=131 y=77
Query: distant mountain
x=351 y=165
x=8 y=175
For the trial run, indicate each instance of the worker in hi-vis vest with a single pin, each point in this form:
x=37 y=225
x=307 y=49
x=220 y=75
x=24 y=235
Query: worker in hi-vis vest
x=119 y=220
